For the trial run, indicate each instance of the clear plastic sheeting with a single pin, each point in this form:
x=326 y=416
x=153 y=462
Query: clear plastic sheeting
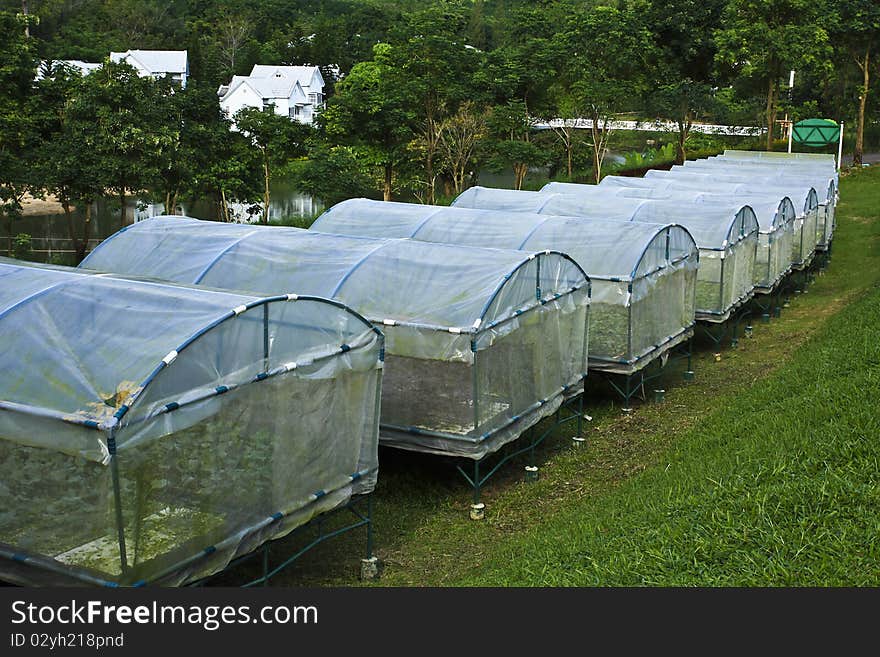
x=776 y=221
x=728 y=241
x=727 y=235
x=776 y=232
x=151 y=432
x=481 y=343
x=803 y=198
x=823 y=180
x=643 y=275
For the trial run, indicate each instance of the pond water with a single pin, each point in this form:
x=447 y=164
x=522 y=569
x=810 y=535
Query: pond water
x=50 y=233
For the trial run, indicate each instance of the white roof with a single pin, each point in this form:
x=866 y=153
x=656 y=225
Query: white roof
x=305 y=75
x=84 y=68
x=154 y=61
x=267 y=88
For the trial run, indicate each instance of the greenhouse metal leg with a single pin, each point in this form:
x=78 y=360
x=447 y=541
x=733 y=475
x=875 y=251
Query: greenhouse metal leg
x=370 y=563
x=717 y=339
x=362 y=518
x=117 y=502
x=479 y=476
x=689 y=372
x=765 y=308
x=747 y=332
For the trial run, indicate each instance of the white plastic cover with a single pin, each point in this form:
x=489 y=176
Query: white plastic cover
x=441 y=307
x=212 y=434
x=721 y=233
x=613 y=253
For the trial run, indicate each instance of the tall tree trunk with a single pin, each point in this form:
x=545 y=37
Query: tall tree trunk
x=386 y=188
x=519 y=174
x=71 y=229
x=221 y=205
x=429 y=173
x=174 y=198
x=265 y=190
x=568 y=150
x=863 y=101
x=597 y=145
x=684 y=129
x=771 y=111
x=122 y=206
x=27 y=27
x=167 y=202
x=84 y=243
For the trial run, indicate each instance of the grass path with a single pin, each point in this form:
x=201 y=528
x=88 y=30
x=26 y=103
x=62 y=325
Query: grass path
x=763 y=470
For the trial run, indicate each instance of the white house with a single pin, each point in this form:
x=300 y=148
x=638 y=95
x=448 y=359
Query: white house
x=157 y=64
x=83 y=68
x=284 y=95
x=295 y=91
x=309 y=78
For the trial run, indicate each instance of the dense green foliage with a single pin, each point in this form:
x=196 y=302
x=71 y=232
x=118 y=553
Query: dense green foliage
x=422 y=96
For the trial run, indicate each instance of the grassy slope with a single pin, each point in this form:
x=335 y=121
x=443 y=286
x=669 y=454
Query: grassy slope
x=762 y=471
x=778 y=486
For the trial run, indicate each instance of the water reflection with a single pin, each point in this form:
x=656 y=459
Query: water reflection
x=52 y=234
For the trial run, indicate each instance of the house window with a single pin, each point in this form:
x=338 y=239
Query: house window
x=295 y=112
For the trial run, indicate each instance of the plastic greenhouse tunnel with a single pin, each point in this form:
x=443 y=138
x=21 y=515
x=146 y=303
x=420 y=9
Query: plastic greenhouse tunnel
x=776 y=220
x=643 y=275
x=810 y=159
x=823 y=181
x=802 y=195
x=726 y=235
x=152 y=433
x=803 y=198
x=481 y=343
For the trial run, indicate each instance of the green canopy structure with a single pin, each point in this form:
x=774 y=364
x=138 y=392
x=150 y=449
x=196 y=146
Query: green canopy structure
x=816 y=132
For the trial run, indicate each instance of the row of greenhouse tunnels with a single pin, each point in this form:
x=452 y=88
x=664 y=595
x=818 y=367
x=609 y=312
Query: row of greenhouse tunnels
x=186 y=359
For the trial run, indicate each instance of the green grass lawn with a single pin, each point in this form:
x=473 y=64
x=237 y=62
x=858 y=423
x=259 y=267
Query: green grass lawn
x=762 y=471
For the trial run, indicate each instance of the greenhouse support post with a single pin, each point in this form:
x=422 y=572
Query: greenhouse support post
x=265 y=337
x=117 y=498
x=840 y=147
x=629 y=322
x=475 y=385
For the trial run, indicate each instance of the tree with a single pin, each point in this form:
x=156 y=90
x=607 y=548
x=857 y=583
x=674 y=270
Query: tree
x=373 y=114
x=234 y=31
x=69 y=131
x=334 y=174
x=196 y=127
x=277 y=138
x=762 y=41
x=511 y=130
x=564 y=115
x=132 y=134
x=682 y=72
x=526 y=59
x=18 y=133
x=604 y=76
x=433 y=69
x=856 y=34
x=233 y=172
x=460 y=138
